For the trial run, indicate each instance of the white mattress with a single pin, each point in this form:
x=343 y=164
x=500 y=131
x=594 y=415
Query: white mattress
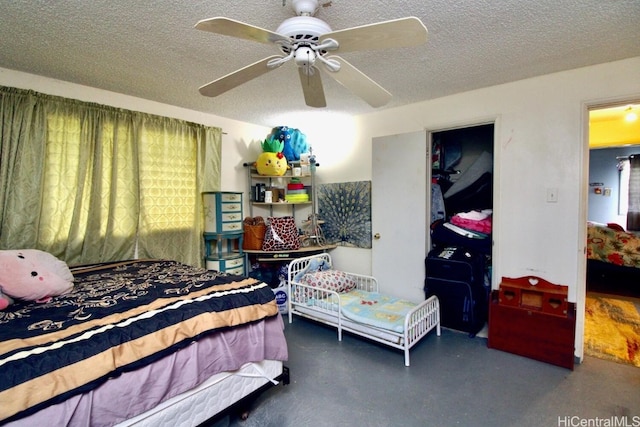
x=332 y=318
x=195 y=406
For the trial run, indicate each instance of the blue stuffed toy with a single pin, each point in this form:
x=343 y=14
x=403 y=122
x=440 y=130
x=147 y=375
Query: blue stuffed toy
x=315 y=264
x=295 y=142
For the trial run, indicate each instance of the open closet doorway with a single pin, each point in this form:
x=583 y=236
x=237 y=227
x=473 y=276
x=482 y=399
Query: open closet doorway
x=401 y=199
x=461 y=228
x=613 y=257
x=462 y=187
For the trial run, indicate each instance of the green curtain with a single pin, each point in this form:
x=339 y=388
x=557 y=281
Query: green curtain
x=91 y=183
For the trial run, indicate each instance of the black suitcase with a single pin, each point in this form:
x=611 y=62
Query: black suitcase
x=456 y=276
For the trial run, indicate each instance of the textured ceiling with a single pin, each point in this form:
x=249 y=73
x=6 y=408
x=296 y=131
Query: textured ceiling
x=149 y=48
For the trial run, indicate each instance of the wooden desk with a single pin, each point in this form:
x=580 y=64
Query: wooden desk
x=265 y=256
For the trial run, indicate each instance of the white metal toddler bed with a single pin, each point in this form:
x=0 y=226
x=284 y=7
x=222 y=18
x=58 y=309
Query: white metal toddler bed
x=352 y=302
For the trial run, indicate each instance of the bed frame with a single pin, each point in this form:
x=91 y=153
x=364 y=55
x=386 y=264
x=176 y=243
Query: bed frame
x=214 y=398
x=417 y=323
x=612 y=259
x=189 y=385
x=609 y=278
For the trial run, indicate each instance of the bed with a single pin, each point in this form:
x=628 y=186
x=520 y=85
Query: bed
x=352 y=302
x=143 y=342
x=612 y=253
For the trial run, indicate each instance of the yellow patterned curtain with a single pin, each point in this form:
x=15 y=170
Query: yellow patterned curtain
x=176 y=163
x=91 y=183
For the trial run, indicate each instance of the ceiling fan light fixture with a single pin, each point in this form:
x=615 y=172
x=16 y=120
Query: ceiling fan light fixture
x=308 y=40
x=305 y=7
x=327 y=44
x=331 y=64
x=303 y=28
x=278 y=61
x=304 y=57
x=630 y=115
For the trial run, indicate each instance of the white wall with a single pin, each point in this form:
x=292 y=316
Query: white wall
x=541 y=132
x=344 y=156
x=541 y=127
x=540 y=145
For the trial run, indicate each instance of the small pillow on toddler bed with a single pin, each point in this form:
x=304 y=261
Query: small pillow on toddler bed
x=331 y=280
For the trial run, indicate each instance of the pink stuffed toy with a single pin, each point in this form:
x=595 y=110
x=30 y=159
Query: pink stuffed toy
x=32 y=275
x=5 y=301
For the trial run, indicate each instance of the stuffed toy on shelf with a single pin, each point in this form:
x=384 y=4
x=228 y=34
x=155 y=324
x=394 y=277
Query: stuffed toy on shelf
x=272 y=162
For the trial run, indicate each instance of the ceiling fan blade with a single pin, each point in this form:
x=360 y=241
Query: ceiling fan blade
x=358 y=83
x=312 y=87
x=237 y=78
x=401 y=32
x=233 y=28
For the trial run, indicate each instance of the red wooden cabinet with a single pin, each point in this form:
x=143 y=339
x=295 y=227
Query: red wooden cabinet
x=531 y=317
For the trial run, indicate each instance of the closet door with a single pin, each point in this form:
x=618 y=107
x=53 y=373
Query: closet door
x=399 y=213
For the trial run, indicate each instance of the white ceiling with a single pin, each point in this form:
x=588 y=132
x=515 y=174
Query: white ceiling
x=149 y=48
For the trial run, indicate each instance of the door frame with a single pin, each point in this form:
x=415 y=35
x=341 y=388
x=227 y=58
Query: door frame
x=583 y=212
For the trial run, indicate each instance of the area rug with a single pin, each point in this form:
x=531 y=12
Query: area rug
x=612 y=328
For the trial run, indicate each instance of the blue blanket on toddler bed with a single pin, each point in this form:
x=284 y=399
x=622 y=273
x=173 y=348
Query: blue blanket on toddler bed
x=374 y=309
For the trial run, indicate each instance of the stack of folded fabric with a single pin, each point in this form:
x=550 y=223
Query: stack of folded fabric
x=471 y=230
x=296 y=193
x=476 y=224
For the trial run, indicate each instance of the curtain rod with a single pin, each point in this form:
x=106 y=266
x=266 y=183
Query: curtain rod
x=630 y=156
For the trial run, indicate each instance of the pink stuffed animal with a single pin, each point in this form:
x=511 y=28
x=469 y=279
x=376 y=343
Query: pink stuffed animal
x=32 y=275
x=5 y=301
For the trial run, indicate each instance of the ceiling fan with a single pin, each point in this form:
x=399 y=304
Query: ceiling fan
x=309 y=42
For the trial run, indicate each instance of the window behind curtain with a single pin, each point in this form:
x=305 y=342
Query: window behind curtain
x=169 y=194
x=91 y=183
x=167 y=178
x=623 y=194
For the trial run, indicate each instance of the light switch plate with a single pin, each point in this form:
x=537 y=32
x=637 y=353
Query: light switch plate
x=552 y=195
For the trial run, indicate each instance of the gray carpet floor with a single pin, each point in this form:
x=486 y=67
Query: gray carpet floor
x=453 y=380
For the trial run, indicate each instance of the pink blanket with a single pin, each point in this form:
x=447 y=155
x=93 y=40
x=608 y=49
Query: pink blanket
x=481 y=225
